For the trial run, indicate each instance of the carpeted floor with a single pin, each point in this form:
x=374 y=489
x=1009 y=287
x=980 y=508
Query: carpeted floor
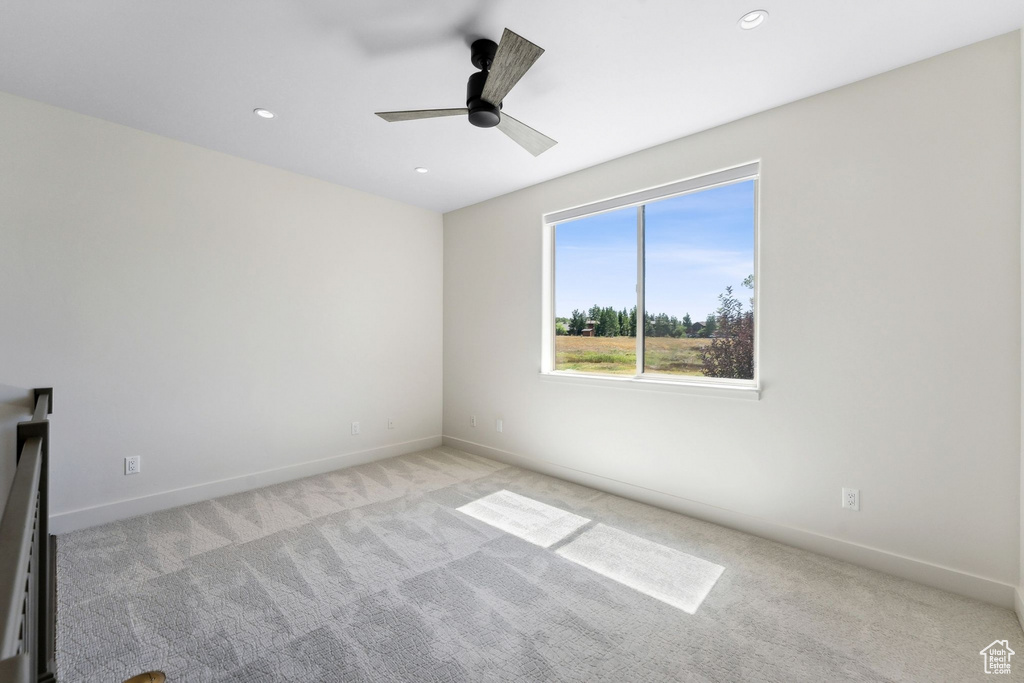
x=442 y=566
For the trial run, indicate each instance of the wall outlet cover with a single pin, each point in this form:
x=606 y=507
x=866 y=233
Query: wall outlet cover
x=133 y=464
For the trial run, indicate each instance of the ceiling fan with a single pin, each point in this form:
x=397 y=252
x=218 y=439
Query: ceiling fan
x=501 y=66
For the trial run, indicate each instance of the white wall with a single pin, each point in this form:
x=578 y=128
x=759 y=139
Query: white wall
x=890 y=350
x=1019 y=598
x=16 y=405
x=217 y=317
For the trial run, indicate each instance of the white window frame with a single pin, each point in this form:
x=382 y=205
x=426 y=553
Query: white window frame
x=736 y=388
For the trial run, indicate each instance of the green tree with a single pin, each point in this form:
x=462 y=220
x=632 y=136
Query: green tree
x=710 y=325
x=609 y=322
x=662 y=325
x=597 y=315
x=687 y=324
x=560 y=328
x=577 y=322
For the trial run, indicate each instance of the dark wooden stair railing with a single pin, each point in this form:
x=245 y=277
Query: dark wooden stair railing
x=27 y=570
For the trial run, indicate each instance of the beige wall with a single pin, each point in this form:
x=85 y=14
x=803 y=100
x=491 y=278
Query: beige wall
x=890 y=354
x=218 y=317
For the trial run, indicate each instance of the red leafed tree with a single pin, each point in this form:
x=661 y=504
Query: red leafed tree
x=731 y=351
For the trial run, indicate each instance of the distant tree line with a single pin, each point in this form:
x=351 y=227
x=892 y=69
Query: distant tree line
x=609 y=322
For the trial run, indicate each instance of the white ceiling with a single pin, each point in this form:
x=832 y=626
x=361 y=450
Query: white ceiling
x=617 y=76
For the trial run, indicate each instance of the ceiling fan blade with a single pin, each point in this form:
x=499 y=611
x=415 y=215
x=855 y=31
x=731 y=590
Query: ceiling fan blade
x=532 y=141
x=513 y=58
x=414 y=114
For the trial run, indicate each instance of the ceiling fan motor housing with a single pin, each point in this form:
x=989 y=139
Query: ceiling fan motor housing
x=482 y=114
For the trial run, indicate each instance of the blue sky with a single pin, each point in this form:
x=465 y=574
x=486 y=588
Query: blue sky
x=697 y=244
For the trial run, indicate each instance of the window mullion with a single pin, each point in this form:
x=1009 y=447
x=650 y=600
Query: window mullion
x=641 y=317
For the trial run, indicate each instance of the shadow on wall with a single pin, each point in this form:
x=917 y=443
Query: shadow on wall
x=15 y=406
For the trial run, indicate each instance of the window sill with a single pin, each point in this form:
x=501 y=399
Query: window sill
x=735 y=391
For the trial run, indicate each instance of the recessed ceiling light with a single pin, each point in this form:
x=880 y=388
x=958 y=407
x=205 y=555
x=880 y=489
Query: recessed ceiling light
x=421 y=169
x=752 y=20
x=263 y=113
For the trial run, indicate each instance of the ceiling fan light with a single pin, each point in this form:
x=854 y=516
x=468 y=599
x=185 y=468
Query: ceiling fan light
x=421 y=169
x=752 y=20
x=263 y=113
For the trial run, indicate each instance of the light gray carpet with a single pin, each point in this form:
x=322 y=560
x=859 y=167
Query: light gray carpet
x=374 y=573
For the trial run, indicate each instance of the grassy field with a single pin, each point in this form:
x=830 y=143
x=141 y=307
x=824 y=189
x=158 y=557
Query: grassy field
x=617 y=355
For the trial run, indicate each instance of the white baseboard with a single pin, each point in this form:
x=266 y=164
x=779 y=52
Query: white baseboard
x=110 y=512
x=937 y=576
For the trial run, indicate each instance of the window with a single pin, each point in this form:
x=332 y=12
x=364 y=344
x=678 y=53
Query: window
x=685 y=254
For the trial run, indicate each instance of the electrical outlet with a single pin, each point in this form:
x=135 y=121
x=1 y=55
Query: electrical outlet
x=355 y=428
x=133 y=464
x=497 y=424
x=851 y=499
x=391 y=423
x=472 y=420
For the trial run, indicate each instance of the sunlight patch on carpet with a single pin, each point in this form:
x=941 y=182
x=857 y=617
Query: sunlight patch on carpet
x=529 y=519
x=674 y=577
